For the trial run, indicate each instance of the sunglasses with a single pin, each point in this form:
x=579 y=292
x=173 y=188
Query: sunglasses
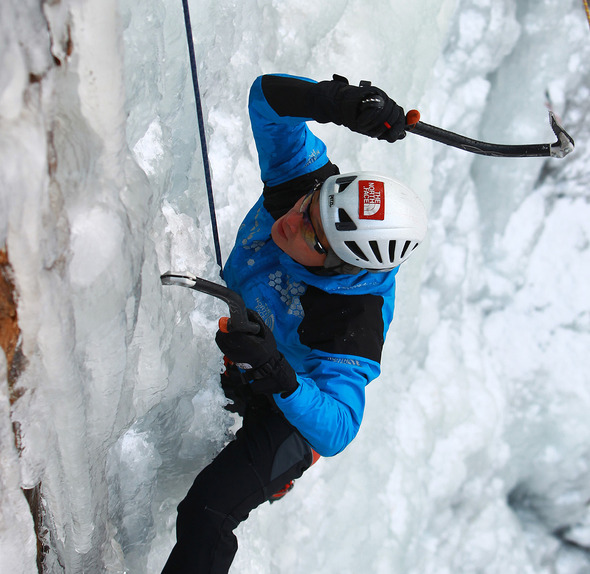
x=309 y=232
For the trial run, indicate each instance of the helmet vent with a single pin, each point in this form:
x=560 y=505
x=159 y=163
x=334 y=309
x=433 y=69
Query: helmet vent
x=392 y=245
x=344 y=182
x=345 y=223
x=406 y=245
x=375 y=248
x=356 y=250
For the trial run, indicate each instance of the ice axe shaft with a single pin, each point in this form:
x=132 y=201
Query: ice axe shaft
x=563 y=145
x=237 y=309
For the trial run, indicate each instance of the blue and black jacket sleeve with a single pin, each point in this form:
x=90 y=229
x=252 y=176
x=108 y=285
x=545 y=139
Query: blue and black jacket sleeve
x=292 y=159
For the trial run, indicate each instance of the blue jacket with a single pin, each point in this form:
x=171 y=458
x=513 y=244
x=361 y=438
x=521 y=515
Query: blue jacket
x=330 y=328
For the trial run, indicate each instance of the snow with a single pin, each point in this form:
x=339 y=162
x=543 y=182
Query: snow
x=474 y=452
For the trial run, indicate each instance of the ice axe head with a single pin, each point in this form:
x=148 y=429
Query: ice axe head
x=565 y=143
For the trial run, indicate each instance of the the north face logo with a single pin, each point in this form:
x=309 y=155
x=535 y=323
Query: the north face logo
x=371 y=200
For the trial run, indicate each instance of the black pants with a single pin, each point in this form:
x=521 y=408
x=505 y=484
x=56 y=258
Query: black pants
x=267 y=453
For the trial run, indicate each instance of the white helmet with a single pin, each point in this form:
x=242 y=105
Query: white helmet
x=371 y=221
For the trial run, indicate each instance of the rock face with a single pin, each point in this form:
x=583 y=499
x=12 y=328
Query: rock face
x=9 y=329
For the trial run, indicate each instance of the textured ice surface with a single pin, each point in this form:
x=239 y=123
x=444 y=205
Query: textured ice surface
x=474 y=453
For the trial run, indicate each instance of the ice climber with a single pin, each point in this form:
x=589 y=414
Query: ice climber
x=315 y=261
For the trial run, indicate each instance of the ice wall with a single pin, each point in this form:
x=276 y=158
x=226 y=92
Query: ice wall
x=473 y=456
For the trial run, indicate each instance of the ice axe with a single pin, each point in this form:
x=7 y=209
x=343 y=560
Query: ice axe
x=563 y=145
x=238 y=319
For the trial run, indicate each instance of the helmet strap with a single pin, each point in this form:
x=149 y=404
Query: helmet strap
x=333 y=265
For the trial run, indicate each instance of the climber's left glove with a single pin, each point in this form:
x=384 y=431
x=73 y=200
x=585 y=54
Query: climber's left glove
x=365 y=109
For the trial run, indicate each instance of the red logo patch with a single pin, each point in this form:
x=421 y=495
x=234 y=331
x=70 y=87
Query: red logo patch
x=371 y=200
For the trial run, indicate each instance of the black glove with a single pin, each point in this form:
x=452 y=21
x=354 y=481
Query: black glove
x=364 y=109
x=239 y=391
x=258 y=355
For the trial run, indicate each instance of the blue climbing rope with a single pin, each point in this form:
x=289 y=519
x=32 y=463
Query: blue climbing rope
x=193 y=62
